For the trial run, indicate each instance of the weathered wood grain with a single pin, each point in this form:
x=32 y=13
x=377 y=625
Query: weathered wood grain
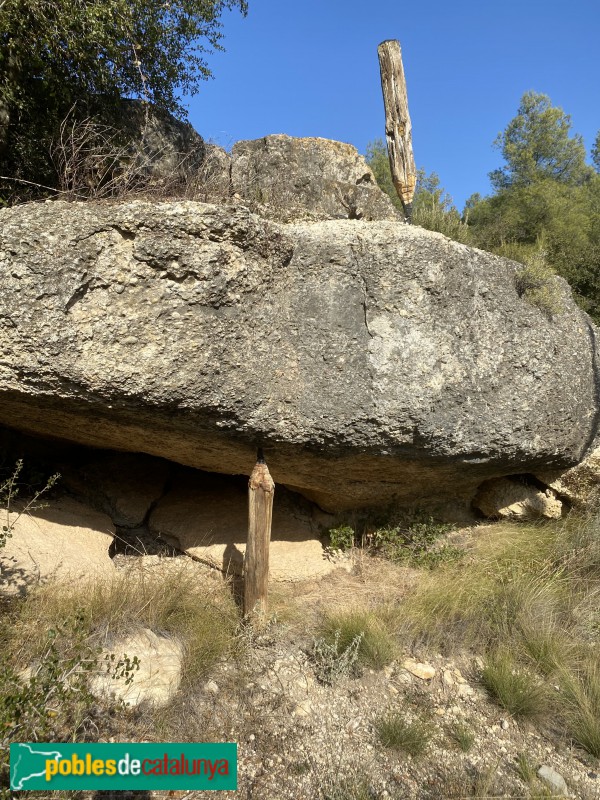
x=398 y=129
x=261 y=489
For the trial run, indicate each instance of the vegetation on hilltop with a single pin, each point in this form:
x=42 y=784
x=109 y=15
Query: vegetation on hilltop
x=545 y=207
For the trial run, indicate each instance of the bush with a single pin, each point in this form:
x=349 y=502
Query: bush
x=334 y=661
x=341 y=538
x=414 y=540
x=536 y=282
x=53 y=702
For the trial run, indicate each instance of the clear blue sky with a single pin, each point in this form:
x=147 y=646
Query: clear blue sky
x=310 y=68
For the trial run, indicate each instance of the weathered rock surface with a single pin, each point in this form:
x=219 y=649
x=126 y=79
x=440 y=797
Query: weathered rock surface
x=373 y=361
x=64 y=541
x=554 y=780
x=207 y=517
x=423 y=671
x=157 y=676
x=287 y=178
x=502 y=498
x=580 y=485
x=122 y=485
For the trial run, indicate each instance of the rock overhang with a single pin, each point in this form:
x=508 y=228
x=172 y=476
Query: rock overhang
x=374 y=361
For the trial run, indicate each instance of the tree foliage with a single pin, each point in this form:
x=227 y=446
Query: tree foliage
x=545 y=209
x=87 y=54
x=596 y=152
x=547 y=200
x=537 y=146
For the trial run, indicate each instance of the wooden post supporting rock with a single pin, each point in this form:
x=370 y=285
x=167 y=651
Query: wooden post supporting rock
x=261 y=489
x=398 y=130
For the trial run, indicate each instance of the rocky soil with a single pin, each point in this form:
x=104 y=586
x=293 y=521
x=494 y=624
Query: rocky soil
x=300 y=738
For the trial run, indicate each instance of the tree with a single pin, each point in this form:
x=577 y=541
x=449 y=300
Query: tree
x=57 y=54
x=596 y=152
x=537 y=145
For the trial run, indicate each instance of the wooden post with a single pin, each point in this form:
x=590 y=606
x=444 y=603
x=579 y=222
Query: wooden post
x=398 y=130
x=256 y=562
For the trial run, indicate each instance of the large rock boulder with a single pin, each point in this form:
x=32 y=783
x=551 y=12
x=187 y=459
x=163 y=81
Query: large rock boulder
x=163 y=151
x=373 y=361
x=503 y=498
x=286 y=179
x=64 y=541
x=580 y=485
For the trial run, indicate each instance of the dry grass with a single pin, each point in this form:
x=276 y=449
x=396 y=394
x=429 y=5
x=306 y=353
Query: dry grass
x=204 y=618
x=531 y=591
x=462 y=735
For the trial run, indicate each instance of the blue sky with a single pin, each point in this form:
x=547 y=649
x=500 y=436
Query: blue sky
x=310 y=69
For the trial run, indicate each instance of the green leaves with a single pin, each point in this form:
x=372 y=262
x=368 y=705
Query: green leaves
x=61 y=54
x=537 y=145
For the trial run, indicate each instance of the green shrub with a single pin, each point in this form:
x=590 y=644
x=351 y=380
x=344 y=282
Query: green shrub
x=53 y=701
x=341 y=538
x=333 y=660
x=414 y=540
x=536 y=282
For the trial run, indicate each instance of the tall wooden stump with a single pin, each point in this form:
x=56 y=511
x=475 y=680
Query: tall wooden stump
x=398 y=129
x=261 y=489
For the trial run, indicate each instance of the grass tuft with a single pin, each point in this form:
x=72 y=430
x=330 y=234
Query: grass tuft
x=398 y=733
x=169 y=603
x=580 y=689
x=462 y=735
x=515 y=689
x=377 y=647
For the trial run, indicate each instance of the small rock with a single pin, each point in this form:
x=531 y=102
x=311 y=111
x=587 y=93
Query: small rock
x=504 y=724
x=447 y=678
x=423 y=671
x=554 y=779
x=211 y=687
x=302 y=709
x=388 y=671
